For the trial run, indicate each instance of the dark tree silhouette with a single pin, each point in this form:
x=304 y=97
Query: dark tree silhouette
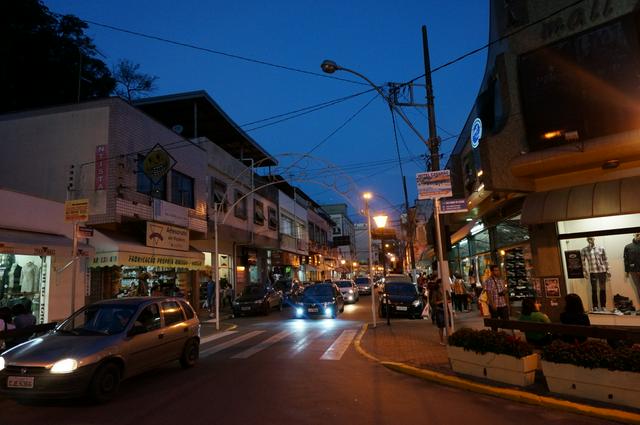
x=130 y=82
x=46 y=58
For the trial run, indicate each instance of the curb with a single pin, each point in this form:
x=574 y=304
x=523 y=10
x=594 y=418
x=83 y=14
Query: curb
x=505 y=393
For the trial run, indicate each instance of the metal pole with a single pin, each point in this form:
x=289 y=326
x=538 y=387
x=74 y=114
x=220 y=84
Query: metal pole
x=373 y=291
x=434 y=141
x=74 y=266
x=443 y=268
x=216 y=270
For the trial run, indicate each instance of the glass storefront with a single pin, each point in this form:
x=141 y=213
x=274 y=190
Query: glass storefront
x=24 y=279
x=601 y=259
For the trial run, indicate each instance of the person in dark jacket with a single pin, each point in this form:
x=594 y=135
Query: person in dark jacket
x=574 y=314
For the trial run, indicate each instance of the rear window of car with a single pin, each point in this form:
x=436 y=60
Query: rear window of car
x=400 y=288
x=344 y=283
x=172 y=313
x=362 y=281
x=187 y=310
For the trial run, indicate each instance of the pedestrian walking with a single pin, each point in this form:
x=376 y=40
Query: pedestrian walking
x=496 y=291
x=211 y=291
x=460 y=298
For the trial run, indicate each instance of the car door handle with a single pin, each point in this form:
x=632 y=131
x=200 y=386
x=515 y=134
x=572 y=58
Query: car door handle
x=160 y=336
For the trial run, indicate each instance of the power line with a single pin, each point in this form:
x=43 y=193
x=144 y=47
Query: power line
x=216 y=52
x=498 y=40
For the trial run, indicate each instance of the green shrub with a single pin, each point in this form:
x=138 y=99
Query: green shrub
x=593 y=354
x=488 y=341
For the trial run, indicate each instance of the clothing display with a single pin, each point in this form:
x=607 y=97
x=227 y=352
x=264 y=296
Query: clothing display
x=30 y=278
x=632 y=261
x=598 y=282
x=517 y=272
x=594 y=259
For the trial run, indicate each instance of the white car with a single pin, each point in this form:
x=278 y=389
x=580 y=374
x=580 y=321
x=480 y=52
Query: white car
x=349 y=290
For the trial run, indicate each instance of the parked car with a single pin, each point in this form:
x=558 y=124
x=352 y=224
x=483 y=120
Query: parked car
x=257 y=299
x=101 y=344
x=349 y=291
x=320 y=300
x=364 y=285
x=392 y=277
x=401 y=298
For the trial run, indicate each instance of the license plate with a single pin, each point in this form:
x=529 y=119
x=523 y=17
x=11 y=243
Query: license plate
x=20 y=381
x=401 y=308
x=245 y=308
x=313 y=310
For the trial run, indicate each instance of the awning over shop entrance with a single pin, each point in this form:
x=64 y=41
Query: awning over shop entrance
x=119 y=250
x=615 y=197
x=23 y=242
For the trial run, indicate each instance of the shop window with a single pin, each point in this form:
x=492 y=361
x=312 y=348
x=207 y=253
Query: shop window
x=172 y=313
x=240 y=209
x=146 y=186
x=286 y=226
x=511 y=232
x=149 y=317
x=218 y=194
x=273 y=218
x=258 y=212
x=182 y=189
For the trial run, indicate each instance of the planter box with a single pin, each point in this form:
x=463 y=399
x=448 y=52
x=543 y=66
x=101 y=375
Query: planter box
x=497 y=367
x=610 y=386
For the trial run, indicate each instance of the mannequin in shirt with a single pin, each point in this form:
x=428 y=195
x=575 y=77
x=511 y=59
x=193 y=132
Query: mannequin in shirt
x=632 y=261
x=596 y=269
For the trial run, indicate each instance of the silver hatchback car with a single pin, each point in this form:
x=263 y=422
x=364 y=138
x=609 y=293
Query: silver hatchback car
x=99 y=345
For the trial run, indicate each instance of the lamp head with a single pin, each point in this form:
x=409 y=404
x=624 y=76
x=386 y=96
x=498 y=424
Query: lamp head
x=380 y=220
x=329 y=66
x=367 y=195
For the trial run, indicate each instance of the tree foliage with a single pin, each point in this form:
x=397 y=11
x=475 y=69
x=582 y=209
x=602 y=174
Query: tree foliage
x=130 y=82
x=47 y=59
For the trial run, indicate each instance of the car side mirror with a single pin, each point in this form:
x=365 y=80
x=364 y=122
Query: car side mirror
x=137 y=330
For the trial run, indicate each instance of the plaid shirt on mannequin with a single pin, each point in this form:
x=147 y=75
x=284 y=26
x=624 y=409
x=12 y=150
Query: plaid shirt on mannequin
x=594 y=259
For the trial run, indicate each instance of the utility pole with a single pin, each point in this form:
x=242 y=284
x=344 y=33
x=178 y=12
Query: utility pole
x=434 y=140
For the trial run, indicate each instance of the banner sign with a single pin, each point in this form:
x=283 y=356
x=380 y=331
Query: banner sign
x=102 y=167
x=450 y=206
x=167 y=212
x=165 y=236
x=574 y=264
x=157 y=163
x=434 y=184
x=108 y=259
x=552 y=287
x=76 y=210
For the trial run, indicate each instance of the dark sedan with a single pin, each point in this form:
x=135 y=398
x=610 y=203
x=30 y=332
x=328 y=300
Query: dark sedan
x=320 y=300
x=257 y=299
x=401 y=298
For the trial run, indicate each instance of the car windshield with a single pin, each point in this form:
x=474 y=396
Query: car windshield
x=344 y=284
x=98 y=319
x=363 y=281
x=318 y=291
x=254 y=290
x=400 y=288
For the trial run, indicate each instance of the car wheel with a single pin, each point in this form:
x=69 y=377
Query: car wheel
x=105 y=383
x=190 y=354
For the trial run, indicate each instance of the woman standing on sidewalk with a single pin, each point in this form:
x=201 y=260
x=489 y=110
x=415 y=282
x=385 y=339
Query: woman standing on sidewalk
x=438 y=308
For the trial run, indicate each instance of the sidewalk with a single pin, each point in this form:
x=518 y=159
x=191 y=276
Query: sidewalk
x=412 y=347
x=414 y=342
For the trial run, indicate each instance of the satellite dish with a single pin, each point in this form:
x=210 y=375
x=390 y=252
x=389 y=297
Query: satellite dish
x=178 y=128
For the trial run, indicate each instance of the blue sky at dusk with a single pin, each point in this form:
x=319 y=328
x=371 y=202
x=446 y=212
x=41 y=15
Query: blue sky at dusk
x=380 y=39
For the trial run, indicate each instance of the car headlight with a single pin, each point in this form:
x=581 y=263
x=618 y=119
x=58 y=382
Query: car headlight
x=299 y=311
x=64 y=366
x=351 y=291
x=416 y=303
x=2 y=363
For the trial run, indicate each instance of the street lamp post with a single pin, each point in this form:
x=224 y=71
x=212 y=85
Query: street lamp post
x=367 y=197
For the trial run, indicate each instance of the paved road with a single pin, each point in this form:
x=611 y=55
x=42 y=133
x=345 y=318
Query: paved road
x=275 y=370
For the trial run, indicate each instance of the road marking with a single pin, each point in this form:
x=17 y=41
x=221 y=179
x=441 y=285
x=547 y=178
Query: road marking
x=264 y=344
x=339 y=346
x=225 y=345
x=304 y=342
x=216 y=336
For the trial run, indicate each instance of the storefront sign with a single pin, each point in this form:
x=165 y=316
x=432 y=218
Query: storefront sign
x=476 y=133
x=537 y=286
x=574 y=264
x=44 y=251
x=450 y=206
x=552 y=287
x=102 y=167
x=157 y=163
x=85 y=232
x=434 y=184
x=131 y=259
x=76 y=210
x=165 y=236
x=166 y=212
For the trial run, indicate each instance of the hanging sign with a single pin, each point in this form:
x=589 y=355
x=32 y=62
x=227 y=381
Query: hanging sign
x=476 y=133
x=574 y=264
x=450 y=206
x=102 y=166
x=165 y=236
x=76 y=210
x=434 y=184
x=157 y=163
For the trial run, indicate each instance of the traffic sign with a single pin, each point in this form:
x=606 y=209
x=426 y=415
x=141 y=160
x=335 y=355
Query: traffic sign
x=434 y=184
x=476 y=133
x=85 y=232
x=157 y=163
x=450 y=206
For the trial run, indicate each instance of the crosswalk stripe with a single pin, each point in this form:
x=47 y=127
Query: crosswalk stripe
x=231 y=343
x=339 y=346
x=261 y=346
x=302 y=345
x=216 y=336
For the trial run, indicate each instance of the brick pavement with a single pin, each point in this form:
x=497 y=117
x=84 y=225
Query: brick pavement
x=414 y=342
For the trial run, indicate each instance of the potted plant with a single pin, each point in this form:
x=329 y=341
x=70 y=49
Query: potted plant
x=498 y=356
x=594 y=370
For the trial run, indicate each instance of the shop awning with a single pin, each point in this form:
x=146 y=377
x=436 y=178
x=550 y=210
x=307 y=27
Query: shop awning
x=615 y=197
x=23 y=242
x=120 y=250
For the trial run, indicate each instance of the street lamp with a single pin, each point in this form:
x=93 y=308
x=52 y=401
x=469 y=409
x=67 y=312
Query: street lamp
x=381 y=221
